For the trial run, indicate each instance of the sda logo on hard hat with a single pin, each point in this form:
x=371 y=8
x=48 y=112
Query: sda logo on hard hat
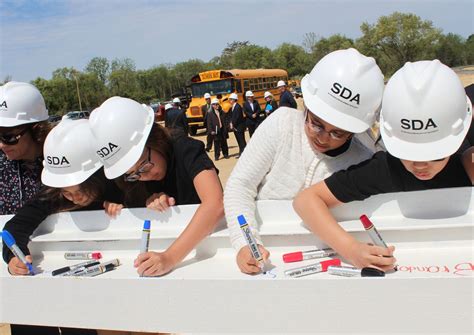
x=57 y=161
x=345 y=93
x=4 y=104
x=108 y=151
x=418 y=124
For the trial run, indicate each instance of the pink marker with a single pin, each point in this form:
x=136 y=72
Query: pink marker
x=374 y=234
x=313 y=268
x=83 y=255
x=304 y=255
x=372 y=231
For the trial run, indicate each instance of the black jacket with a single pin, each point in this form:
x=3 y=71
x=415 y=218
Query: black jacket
x=238 y=120
x=287 y=100
x=204 y=109
x=213 y=123
x=176 y=119
x=274 y=105
x=249 y=112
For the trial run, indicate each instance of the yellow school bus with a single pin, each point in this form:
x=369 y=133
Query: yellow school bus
x=221 y=83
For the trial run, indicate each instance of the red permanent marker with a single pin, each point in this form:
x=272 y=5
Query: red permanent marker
x=372 y=231
x=304 y=255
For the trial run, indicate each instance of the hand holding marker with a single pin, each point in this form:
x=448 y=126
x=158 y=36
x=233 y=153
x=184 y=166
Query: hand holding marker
x=11 y=244
x=252 y=243
x=373 y=233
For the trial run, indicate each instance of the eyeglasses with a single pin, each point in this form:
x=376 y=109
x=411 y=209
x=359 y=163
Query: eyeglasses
x=12 y=139
x=143 y=168
x=317 y=128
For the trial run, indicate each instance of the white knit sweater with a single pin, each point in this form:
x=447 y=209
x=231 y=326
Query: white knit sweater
x=276 y=164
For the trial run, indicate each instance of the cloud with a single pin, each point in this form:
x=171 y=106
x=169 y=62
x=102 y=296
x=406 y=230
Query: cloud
x=38 y=37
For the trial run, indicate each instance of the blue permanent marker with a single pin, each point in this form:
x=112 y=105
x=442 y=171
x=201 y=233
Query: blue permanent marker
x=11 y=244
x=145 y=236
x=252 y=243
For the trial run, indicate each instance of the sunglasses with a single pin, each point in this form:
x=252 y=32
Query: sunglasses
x=146 y=166
x=12 y=139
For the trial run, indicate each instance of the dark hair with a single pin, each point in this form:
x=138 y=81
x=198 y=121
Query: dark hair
x=39 y=131
x=159 y=140
x=135 y=194
x=93 y=187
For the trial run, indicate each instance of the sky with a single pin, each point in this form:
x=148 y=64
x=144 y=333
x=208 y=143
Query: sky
x=40 y=36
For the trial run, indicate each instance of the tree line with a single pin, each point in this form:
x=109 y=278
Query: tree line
x=392 y=41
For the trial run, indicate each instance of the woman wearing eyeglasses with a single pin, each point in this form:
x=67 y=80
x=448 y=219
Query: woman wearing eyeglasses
x=293 y=150
x=157 y=171
x=424 y=119
x=23 y=129
x=73 y=180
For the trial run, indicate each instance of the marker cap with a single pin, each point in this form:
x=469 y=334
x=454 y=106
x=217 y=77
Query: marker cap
x=293 y=257
x=241 y=220
x=8 y=238
x=96 y=255
x=146 y=224
x=331 y=262
x=372 y=272
x=366 y=221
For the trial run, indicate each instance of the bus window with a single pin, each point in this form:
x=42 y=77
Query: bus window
x=212 y=87
x=238 y=85
x=246 y=85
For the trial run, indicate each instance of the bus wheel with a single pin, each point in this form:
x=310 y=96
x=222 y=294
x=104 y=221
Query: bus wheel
x=192 y=131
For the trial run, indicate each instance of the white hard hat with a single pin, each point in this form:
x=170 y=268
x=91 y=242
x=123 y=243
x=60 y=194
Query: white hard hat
x=344 y=88
x=168 y=106
x=281 y=83
x=234 y=96
x=176 y=101
x=267 y=94
x=425 y=112
x=120 y=127
x=249 y=94
x=207 y=96
x=215 y=101
x=69 y=154
x=21 y=103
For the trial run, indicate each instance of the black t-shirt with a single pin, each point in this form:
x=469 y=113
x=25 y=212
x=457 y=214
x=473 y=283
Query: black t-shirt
x=30 y=216
x=384 y=173
x=188 y=158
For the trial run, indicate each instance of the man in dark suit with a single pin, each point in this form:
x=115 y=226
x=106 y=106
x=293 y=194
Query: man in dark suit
x=252 y=111
x=286 y=98
x=176 y=120
x=204 y=110
x=217 y=129
x=237 y=122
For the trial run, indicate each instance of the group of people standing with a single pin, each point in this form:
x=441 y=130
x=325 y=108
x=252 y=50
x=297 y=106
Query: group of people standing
x=121 y=158
x=239 y=118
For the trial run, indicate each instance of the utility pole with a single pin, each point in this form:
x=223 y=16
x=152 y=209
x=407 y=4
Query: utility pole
x=77 y=90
